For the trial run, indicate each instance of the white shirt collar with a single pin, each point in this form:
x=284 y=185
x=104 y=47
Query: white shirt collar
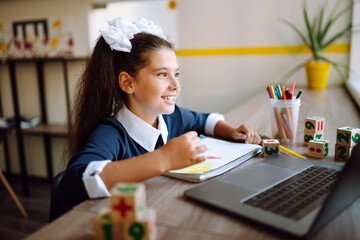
x=142 y=132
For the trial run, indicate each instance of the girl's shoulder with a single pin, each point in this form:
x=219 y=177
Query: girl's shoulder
x=111 y=121
x=108 y=124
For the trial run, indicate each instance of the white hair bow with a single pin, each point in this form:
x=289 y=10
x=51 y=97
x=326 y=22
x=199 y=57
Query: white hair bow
x=121 y=30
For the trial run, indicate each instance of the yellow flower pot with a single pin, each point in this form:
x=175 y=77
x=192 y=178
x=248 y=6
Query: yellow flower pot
x=317 y=74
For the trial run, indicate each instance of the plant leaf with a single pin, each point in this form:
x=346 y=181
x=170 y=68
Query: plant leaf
x=330 y=21
x=326 y=29
x=338 y=35
x=320 y=23
x=333 y=19
x=344 y=10
x=345 y=66
x=336 y=68
x=303 y=38
x=314 y=44
x=334 y=8
x=291 y=72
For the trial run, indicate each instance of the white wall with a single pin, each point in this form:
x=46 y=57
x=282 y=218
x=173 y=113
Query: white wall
x=218 y=83
x=159 y=13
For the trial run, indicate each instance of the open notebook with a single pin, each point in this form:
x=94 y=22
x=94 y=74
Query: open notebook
x=221 y=156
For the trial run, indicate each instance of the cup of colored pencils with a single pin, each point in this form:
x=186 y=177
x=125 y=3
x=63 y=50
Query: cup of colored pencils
x=285 y=113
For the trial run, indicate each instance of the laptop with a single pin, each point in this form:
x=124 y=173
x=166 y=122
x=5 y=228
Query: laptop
x=297 y=196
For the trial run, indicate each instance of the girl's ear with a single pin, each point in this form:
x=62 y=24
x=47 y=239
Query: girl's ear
x=126 y=82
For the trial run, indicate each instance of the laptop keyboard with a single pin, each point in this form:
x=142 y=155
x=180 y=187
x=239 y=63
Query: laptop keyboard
x=298 y=195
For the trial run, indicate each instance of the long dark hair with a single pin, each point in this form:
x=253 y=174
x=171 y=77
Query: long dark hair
x=98 y=93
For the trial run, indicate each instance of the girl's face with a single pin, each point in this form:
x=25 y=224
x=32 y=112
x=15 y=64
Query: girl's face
x=156 y=87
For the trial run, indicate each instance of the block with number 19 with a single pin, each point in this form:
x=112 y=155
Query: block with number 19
x=314 y=129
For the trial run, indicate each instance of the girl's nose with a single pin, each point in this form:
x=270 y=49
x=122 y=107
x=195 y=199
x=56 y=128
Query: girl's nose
x=174 y=83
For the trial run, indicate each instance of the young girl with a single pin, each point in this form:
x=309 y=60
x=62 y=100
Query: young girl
x=126 y=126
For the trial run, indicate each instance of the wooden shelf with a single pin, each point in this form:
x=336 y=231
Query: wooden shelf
x=56 y=130
x=46 y=130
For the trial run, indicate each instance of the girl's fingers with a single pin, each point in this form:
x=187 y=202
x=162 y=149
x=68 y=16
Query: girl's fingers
x=198 y=159
x=258 y=139
x=200 y=149
x=192 y=134
x=196 y=141
x=250 y=137
x=237 y=135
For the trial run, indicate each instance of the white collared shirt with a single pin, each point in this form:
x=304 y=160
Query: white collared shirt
x=145 y=135
x=142 y=132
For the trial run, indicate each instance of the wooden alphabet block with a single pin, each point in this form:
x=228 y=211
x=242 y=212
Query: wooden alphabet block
x=314 y=124
x=270 y=147
x=342 y=153
x=105 y=228
x=318 y=148
x=127 y=201
x=347 y=136
x=308 y=136
x=141 y=229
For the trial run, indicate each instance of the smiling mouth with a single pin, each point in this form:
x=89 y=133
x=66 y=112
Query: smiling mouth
x=169 y=98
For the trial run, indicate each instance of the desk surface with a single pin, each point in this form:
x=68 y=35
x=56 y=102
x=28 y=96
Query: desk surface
x=179 y=218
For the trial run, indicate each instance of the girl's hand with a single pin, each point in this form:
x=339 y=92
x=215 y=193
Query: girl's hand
x=182 y=151
x=247 y=133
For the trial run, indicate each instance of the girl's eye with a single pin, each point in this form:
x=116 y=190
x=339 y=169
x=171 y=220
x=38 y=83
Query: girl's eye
x=177 y=74
x=163 y=74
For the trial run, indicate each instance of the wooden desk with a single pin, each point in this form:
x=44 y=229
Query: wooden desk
x=179 y=218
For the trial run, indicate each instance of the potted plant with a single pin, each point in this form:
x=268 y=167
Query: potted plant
x=318 y=39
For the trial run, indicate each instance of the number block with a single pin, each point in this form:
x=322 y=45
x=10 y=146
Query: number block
x=141 y=229
x=105 y=228
x=314 y=124
x=347 y=136
x=127 y=201
x=342 y=153
x=318 y=148
x=270 y=147
x=308 y=136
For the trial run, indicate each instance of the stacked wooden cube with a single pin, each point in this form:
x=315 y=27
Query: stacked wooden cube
x=346 y=139
x=314 y=137
x=314 y=129
x=127 y=217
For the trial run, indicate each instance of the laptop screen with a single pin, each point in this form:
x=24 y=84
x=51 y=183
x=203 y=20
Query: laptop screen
x=344 y=192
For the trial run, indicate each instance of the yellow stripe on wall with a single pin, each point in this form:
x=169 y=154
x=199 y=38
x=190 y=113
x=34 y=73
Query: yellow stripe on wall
x=301 y=49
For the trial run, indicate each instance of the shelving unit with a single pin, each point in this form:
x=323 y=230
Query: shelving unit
x=44 y=129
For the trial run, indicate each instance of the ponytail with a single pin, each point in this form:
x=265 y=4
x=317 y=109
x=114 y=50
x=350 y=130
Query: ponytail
x=96 y=91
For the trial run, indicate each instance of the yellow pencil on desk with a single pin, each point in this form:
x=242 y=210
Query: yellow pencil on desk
x=291 y=152
x=285 y=149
